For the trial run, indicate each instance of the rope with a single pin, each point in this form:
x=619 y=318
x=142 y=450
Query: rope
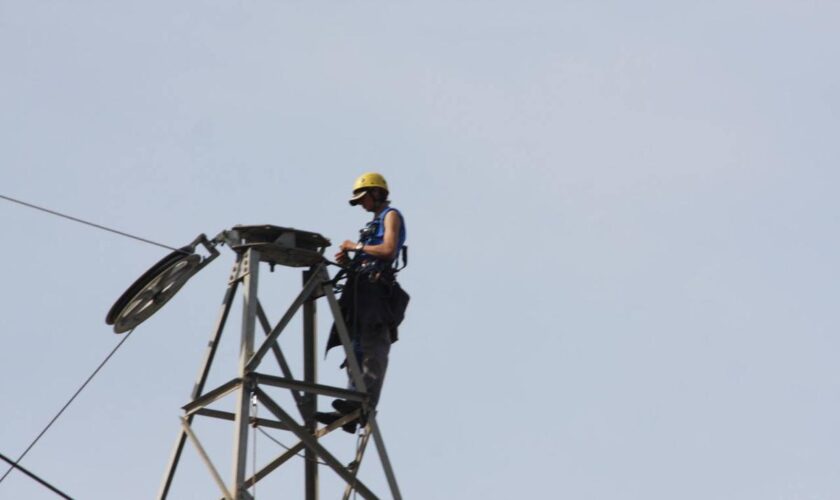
x=33 y=476
x=67 y=404
x=74 y=219
x=254 y=434
x=358 y=464
x=269 y=436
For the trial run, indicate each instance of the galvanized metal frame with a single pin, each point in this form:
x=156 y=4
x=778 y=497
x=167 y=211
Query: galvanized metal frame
x=247 y=382
x=297 y=448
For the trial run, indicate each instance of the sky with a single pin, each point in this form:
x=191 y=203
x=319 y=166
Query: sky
x=621 y=219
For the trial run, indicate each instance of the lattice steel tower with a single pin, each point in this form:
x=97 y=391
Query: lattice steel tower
x=255 y=245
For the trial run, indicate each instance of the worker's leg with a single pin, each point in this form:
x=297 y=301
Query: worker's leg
x=371 y=349
x=371 y=340
x=357 y=351
x=376 y=344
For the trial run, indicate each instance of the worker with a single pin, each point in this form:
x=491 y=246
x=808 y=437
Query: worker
x=372 y=302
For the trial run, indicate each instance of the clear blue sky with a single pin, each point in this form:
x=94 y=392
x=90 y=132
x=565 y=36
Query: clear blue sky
x=622 y=220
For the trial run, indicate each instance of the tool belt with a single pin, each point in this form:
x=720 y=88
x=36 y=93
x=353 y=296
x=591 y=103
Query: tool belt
x=373 y=298
x=376 y=271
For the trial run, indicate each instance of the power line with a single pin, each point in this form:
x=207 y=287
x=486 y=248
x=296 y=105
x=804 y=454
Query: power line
x=98 y=226
x=67 y=404
x=33 y=476
x=15 y=464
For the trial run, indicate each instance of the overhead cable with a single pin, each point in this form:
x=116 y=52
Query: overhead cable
x=67 y=404
x=33 y=476
x=98 y=226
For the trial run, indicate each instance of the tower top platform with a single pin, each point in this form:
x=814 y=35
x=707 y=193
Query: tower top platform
x=279 y=245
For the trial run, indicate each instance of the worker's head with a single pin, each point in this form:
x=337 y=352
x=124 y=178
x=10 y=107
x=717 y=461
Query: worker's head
x=371 y=190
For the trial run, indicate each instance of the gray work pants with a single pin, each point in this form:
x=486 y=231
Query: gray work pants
x=372 y=346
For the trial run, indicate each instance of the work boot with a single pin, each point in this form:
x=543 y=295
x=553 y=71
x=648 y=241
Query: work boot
x=329 y=418
x=344 y=406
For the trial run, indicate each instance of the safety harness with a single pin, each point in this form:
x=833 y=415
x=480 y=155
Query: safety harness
x=373 y=234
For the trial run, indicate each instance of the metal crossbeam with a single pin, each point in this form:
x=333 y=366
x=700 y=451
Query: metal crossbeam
x=212 y=396
x=293 y=451
x=278 y=353
x=323 y=390
x=310 y=287
x=226 y=415
x=312 y=443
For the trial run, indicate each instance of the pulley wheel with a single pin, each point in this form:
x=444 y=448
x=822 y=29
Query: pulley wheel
x=153 y=289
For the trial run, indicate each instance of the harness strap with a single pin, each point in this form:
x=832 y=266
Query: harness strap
x=404 y=252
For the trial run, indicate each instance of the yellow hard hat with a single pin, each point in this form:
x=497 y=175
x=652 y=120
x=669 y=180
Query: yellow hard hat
x=366 y=181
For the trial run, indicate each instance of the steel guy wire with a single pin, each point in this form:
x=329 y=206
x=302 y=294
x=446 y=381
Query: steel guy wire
x=269 y=436
x=67 y=404
x=36 y=478
x=81 y=221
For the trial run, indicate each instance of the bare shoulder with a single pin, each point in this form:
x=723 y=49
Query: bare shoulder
x=392 y=219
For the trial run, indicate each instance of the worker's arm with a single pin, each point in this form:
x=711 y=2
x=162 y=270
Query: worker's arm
x=386 y=250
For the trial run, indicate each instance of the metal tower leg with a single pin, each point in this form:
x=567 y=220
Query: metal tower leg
x=383 y=457
x=310 y=400
x=250 y=270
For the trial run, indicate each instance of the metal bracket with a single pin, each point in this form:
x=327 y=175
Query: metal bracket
x=229 y=237
x=243 y=268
